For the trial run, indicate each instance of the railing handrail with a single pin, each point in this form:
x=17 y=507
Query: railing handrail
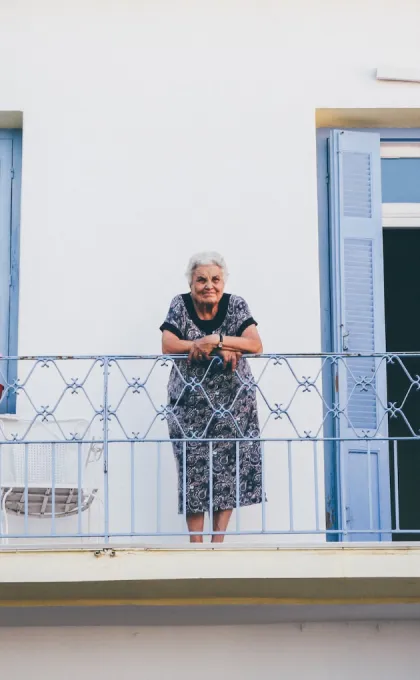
x=265 y=355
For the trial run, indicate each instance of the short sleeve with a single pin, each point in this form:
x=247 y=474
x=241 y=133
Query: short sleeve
x=174 y=321
x=242 y=314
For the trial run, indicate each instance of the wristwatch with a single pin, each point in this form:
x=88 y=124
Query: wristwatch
x=220 y=345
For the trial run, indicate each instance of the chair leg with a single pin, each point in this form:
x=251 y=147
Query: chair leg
x=88 y=521
x=4 y=519
x=100 y=501
x=1 y=517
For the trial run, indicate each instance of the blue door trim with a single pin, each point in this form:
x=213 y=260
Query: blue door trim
x=16 y=137
x=330 y=453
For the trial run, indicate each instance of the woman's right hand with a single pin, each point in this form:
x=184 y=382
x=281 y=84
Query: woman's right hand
x=200 y=352
x=196 y=352
x=203 y=347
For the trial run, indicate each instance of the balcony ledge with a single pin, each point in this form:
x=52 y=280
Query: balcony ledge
x=225 y=575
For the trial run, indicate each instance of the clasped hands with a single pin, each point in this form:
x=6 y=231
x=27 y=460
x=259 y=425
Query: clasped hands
x=205 y=348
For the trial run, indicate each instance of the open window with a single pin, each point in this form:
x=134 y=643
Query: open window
x=374 y=246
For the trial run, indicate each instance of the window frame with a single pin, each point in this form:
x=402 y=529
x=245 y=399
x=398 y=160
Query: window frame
x=400 y=150
x=15 y=135
x=400 y=215
x=404 y=136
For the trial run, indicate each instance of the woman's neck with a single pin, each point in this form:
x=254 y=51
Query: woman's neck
x=206 y=310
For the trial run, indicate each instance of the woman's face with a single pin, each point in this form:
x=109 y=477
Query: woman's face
x=207 y=284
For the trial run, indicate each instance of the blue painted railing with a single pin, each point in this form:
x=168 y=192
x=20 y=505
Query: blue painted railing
x=87 y=456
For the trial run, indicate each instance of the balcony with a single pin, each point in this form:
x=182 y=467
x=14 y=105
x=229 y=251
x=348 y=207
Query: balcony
x=87 y=471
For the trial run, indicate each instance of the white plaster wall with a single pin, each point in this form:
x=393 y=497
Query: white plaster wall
x=156 y=128
x=318 y=651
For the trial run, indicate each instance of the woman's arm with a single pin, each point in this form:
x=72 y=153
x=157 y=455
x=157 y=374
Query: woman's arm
x=248 y=343
x=171 y=344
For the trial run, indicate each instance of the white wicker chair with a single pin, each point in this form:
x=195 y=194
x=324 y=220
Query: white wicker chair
x=46 y=479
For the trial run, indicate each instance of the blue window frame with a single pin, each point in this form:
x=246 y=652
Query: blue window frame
x=322 y=136
x=326 y=289
x=10 y=189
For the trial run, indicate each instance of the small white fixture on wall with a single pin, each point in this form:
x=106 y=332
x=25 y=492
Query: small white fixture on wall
x=398 y=74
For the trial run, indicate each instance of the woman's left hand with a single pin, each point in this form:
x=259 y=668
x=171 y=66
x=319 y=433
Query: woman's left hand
x=229 y=358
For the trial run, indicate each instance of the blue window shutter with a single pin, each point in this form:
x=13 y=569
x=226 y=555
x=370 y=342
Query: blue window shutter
x=10 y=176
x=358 y=320
x=5 y=246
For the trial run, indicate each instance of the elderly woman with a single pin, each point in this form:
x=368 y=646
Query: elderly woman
x=212 y=398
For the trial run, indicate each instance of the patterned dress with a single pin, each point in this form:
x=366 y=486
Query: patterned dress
x=208 y=401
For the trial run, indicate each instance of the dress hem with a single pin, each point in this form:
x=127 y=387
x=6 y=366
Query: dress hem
x=233 y=507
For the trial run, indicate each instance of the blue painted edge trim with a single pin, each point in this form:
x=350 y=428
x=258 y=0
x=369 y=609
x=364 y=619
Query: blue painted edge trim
x=322 y=137
x=16 y=137
x=330 y=456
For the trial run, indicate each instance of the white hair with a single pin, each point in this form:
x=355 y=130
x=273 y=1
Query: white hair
x=206 y=258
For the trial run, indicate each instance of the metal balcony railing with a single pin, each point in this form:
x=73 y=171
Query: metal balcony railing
x=86 y=456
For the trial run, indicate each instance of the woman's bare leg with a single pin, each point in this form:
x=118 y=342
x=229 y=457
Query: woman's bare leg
x=195 y=522
x=220 y=523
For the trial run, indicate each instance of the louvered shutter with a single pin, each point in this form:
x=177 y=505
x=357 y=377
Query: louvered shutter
x=359 y=327
x=5 y=225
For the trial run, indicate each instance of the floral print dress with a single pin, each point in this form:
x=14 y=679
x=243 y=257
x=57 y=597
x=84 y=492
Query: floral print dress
x=207 y=401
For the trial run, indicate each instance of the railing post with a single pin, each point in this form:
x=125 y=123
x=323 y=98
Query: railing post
x=331 y=449
x=396 y=486
x=106 y=461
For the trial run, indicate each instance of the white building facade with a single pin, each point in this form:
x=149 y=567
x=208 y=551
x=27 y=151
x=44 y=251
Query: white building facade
x=138 y=133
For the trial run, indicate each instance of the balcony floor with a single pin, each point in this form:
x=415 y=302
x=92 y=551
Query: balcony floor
x=134 y=586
